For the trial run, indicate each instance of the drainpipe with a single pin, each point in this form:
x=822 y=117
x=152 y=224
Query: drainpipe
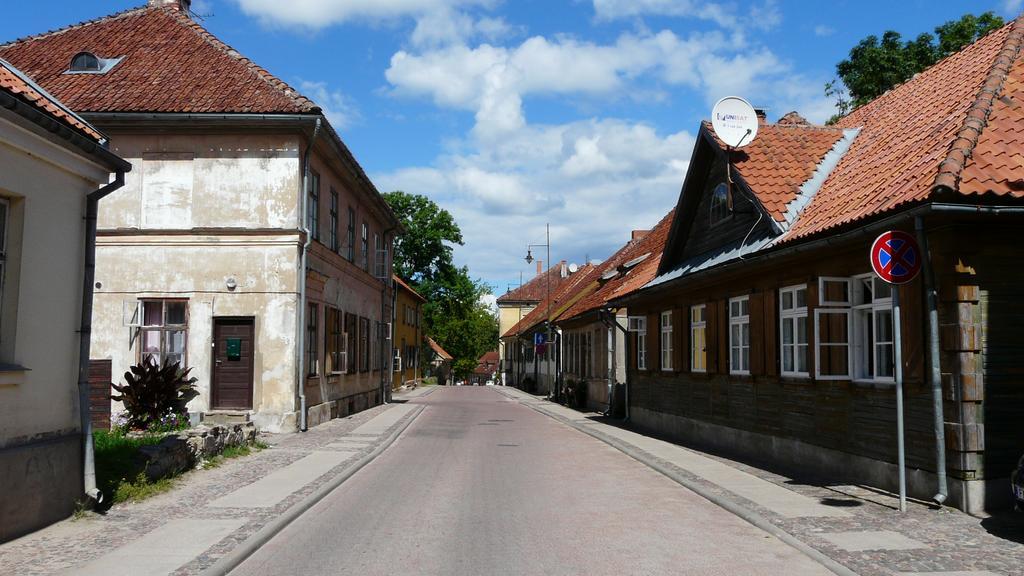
x=84 y=335
x=934 y=368
x=300 y=351
x=609 y=317
x=385 y=360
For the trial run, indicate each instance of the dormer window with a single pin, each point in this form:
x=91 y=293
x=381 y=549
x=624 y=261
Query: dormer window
x=89 y=63
x=719 y=204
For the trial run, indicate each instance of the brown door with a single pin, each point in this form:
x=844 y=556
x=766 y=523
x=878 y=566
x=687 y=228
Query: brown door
x=233 y=344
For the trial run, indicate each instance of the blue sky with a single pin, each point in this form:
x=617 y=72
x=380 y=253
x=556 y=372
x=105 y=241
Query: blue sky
x=512 y=114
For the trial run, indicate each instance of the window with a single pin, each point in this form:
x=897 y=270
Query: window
x=85 y=62
x=364 y=343
x=698 y=338
x=379 y=258
x=313 y=209
x=666 y=340
x=312 y=354
x=5 y=210
x=351 y=237
x=739 y=335
x=363 y=252
x=793 y=330
x=164 y=331
x=719 y=204
x=351 y=333
x=335 y=342
x=854 y=330
x=334 y=220
x=638 y=324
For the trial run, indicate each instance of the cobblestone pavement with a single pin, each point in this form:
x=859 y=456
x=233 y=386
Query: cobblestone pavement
x=74 y=542
x=953 y=541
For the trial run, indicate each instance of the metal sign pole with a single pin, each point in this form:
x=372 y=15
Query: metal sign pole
x=898 y=357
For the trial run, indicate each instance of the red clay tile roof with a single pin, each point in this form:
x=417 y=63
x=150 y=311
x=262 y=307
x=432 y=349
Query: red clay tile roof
x=569 y=291
x=487 y=363
x=536 y=289
x=781 y=159
x=408 y=288
x=438 y=350
x=625 y=282
x=955 y=127
x=15 y=83
x=170 y=64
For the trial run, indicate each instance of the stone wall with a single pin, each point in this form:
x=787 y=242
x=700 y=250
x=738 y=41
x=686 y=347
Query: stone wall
x=181 y=452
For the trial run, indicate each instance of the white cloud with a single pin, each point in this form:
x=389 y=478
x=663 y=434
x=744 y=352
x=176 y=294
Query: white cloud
x=728 y=15
x=318 y=14
x=337 y=107
x=822 y=30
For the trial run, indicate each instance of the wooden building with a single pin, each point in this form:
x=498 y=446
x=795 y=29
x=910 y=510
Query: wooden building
x=765 y=333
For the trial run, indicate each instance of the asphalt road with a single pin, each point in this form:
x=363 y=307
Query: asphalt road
x=481 y=485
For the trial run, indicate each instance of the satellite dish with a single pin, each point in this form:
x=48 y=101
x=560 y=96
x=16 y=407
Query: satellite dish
x=734 y=121
x=573 y=268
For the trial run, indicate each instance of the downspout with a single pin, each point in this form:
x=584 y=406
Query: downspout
x=934 y=368
x=300 y=350
x=385 y=360
x=84 y=335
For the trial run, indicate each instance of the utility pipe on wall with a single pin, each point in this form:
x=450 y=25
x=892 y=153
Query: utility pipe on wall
x=934 y=368
x=84 y=336
x=300 y=315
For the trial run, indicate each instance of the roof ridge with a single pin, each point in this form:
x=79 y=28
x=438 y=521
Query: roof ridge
x=82 y=24
x=976 y=118
x=227 y=50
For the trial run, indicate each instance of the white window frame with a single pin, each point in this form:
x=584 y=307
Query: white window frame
x=822 y=292
x=715 y=211
x=793 y=315
x=641 y=348
x=740 y=320
x=666 y=341
x=858 y=326
x=818 y=313
x=702 y=326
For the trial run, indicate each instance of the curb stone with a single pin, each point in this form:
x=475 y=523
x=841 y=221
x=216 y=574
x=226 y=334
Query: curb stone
x=731 y=506
x=240 y=553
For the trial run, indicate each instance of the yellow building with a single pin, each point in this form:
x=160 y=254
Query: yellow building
x=408 y=334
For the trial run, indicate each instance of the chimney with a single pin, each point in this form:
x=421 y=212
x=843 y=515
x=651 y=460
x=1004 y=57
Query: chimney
x=565 y=269
x=762 y=116
x=540 y=267
x=638 y=234
x=180 y=5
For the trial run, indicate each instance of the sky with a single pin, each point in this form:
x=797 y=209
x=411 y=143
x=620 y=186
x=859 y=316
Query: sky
x=517 y=114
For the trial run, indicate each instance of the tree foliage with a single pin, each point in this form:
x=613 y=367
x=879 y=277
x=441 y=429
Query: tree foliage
x=430 y=232
x=454 y=314
x=878 y=64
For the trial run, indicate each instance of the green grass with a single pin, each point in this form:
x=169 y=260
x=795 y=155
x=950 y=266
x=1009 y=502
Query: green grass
x=122 y=479
x=118 y=474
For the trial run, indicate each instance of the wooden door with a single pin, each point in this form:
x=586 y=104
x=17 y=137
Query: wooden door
x=233 y=351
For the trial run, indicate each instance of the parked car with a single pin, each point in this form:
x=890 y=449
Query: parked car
x=1017 y=484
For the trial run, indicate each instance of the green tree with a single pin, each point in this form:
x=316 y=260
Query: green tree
x=454 y=315
x=430 y=233
x=876 y=65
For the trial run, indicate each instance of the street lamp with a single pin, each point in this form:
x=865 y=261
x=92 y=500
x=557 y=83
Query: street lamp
x=547 y=285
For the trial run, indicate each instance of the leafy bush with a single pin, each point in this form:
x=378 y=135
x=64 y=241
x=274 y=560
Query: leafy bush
x=152 y=391
x=116 y=465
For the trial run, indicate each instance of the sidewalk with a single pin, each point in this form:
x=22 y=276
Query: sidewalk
x=213 y=514
x=857 y=527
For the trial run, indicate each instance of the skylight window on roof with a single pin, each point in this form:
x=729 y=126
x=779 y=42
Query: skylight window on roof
x=634 y=262
x=89 y=63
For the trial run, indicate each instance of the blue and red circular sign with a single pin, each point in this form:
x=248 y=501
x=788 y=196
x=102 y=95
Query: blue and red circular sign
x=896 y=257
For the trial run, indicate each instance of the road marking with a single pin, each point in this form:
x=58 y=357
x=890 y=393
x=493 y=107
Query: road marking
x=282 y=483
x=762 y=492
x=382 y=422
x=862 y=541
x=163 y=550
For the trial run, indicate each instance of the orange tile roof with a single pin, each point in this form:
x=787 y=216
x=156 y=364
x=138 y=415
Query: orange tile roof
x=955 y=128
x=407 y=288
x=14 y=82
x=535 y=289
x=438 y=350
x=170 y=64
x=627 y=281
x=567 y=294
x=780 y=159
